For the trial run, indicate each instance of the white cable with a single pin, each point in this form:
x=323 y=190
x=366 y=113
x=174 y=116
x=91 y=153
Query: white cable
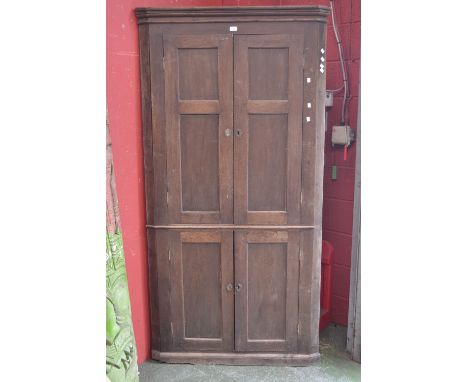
x=336 y=90
x=343 y=70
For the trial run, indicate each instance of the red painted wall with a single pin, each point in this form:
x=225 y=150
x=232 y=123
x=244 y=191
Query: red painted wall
x=339 y=195
x=123 y=104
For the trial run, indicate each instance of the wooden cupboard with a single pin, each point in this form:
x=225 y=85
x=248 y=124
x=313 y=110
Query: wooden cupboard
x=233 y=122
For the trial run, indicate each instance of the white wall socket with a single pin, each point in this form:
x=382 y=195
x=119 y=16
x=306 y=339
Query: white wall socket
x=328 y=99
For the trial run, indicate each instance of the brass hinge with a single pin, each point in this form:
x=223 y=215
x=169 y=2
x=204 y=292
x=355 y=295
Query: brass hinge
x=301 y=197
x=298 y=328
x=167 y=198
x=169 y=255
x=172 y=331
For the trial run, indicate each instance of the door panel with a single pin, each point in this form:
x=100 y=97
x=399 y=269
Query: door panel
x=201 y=290
x=267 y=270
x=268 y=73
x=268 y=128
x=199 y=106
x=202 y=308
x=268 y=144
x=266 y=292
x=199 y=162
x=198 y=63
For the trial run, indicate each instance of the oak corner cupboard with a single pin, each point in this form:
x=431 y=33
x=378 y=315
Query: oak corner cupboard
x=233 y=112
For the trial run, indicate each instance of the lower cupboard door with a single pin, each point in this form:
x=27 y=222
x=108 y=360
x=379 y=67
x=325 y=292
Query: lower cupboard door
x=202 y=298
x=266 y=283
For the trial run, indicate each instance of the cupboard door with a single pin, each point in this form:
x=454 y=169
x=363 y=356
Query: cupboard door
x=198 y=103
x=202 y=304
x=266 y=281
x=268 y=128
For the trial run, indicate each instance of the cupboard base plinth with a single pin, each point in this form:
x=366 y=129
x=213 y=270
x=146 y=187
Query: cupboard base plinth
x=246 y=359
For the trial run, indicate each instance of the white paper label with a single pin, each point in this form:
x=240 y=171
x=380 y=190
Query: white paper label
x=233 y=28
x=309 y=105
x=308 y=119
x=308 y=80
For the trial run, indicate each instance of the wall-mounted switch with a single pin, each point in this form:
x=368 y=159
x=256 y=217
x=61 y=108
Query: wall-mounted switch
x=342 y=135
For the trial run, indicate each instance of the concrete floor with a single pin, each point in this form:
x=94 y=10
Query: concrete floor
x=334 y=366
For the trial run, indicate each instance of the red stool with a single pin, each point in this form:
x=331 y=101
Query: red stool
x=326 y=283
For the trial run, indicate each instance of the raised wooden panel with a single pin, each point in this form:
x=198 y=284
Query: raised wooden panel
x=267 y=162
x=198 y=73
x=199 y=162
x=202 y=308
x=267 y=268
x=198 y=108
x=266 y=264
x=201 y=272
x=268 y=124
x=268 y=73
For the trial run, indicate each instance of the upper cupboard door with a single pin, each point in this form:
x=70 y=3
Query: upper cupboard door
x=268 y=71
x=198 y=85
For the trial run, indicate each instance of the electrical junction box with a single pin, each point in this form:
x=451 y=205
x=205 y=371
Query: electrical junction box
x=328 y=99
x=342 y=135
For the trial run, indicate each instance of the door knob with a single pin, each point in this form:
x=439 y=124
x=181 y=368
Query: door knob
x=227 y=132
x=238 y=287
x=229 y=287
